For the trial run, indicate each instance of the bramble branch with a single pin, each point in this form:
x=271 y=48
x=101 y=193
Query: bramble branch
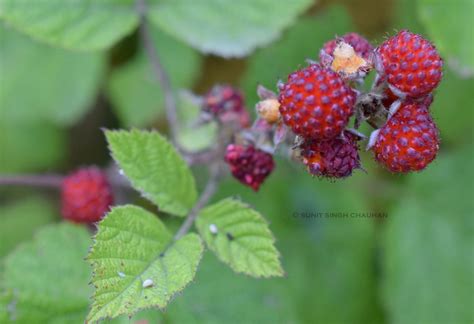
x=50 y=180
x=163 y=78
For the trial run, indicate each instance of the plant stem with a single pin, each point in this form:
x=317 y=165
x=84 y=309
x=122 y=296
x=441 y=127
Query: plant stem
x=207 y=193
x=163 y=78
x=51 y=181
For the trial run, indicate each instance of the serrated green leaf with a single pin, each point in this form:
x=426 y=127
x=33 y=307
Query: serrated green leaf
x=155 y=168
x=136 y=265
x=449 y=24
x=243 y=239
x=46 y=279
x=21 y=218
x=302 y=41
x=41 y=83
x=134 y=89
x=72 y=24
x=428 y=245
x=226 y=28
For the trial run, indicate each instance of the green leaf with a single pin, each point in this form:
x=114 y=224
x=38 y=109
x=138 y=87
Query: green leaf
x=155 y=169
x=223 y=28
x=46 y=279
x=136 y=265
x=79 y=25
x=190 y=137
x=449 y=26
x=21 y=218
x=17 y=152
x=41 y=83
x=428 y=245
x=134 y=89
x=302 y=41
x=243 y=239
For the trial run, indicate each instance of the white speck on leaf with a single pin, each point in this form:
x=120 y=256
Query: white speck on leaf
x=147 y=283
x=121 y=274
x=213 y=228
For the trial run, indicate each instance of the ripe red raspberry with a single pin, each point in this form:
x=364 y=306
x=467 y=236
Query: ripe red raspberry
x=410 y=64
x=226 y=103
x=85 y=195
x=409 y=140
x=316 y=103
x=334 y=158
x=361 y=46
x=249 y=165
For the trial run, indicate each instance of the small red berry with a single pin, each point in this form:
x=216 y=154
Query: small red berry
x=334 y=158
x=409 y=140
x=316 y=103
x=410 y=63
x=361 y=46
x=249 y=165
x=226 y=103
x=86 y=195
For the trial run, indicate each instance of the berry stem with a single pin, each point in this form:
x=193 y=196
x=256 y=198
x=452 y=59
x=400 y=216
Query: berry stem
x=163 y=78
x=50 y=180
x=208 y=192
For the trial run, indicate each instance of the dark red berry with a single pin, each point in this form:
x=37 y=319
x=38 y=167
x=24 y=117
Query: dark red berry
x=226 y=103
x=249 y=165
x=334 y=158
x=409 y=140
x=361 y=46
x=85 y=195
x=410 y=63
x=316 y=103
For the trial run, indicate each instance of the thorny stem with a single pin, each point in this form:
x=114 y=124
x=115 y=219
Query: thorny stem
x=51 y=180
x=208 y=192
x=163 y=78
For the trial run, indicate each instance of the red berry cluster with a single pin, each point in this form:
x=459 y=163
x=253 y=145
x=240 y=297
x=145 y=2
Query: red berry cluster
x=249 y=165
x=226 y=104
x=86 y=195
x=409 y=69
x=317 y=102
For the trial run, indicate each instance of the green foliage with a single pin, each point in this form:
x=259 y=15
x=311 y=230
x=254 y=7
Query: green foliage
x=46 y=279
x=449 y=24
x=302 y=41
x=429 y=240
x=136 y=265
x=224 y=28
x=80 y=25
x=194 y=138
x=72 y=81
x=133 y=88
x=21 y=218
x=219 y=296
x=16 y=152
x=155 y=169
x=243 y=239
x=453 y=94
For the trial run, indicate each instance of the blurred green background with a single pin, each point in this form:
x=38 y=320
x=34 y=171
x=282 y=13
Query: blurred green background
x=416 y=265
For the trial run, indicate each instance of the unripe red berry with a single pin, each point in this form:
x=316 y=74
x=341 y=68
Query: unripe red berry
x=226 y=103
x=86 y=195
x=361 y=46
x=409 y=141
x=410 y=64
x=249 y=165
x=334 y=158
x=316 y=103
